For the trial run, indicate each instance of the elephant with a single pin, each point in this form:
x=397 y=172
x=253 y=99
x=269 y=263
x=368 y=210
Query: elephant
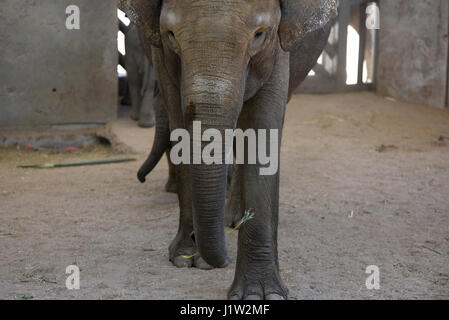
x=141 y=77
x=230 y=64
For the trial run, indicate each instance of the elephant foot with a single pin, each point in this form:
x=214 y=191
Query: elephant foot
x=258 y=287
x=146 y=118
x=182 y=253
x=146 y=123
x=171 y=185
x=134 y=116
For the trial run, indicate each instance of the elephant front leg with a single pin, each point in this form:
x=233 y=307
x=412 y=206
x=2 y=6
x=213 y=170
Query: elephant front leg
x=146 y=117
x=234 y=212
x=257 y=271
x=183 y=248
x=135 y=88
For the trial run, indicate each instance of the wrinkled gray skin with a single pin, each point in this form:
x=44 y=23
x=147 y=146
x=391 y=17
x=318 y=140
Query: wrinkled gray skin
x=229 y=64
x=141 y=78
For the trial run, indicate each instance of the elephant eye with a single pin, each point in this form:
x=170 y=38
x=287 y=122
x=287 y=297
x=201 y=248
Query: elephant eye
x=171 y=37
x=259 y=34
x=259 y=37
x=172 y=42
x=258 y=40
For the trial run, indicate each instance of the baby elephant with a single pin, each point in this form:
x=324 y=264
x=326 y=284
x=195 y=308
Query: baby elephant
x=141 y=78
x=229 y=64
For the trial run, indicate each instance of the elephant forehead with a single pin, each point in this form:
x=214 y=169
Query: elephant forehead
x=266 y=12
x=265 y=19
x=259 y=12
x=172 y=17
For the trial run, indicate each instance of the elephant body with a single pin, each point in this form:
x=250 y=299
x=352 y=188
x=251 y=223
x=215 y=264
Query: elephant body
x=229 y=64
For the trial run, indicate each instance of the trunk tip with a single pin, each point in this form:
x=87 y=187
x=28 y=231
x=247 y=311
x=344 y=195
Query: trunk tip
x=220 y=261
x=225 y=264
x=141 y=176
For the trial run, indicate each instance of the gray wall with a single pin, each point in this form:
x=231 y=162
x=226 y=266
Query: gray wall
x=413 y=57
x=51 y=76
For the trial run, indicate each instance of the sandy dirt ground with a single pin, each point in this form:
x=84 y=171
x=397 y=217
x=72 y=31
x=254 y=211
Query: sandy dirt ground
x=364 y=181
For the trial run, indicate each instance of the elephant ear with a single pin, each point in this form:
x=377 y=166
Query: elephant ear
x=300 y=17
x=145 y=14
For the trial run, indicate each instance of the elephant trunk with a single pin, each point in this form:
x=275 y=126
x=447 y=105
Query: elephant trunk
x=161 y=141
x=208 y=185
x=215 y=99
x=208 y=195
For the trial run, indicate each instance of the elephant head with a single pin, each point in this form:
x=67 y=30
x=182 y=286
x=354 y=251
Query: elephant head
x=224 y=53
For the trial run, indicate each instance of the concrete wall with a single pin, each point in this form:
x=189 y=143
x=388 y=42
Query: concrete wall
x=413 y=55
x=51 y=76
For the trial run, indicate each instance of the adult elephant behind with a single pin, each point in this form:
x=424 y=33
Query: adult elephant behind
x=141 y=79
x=230 y=64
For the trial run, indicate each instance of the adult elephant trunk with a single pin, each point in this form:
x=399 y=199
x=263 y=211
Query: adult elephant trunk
x=214 y=97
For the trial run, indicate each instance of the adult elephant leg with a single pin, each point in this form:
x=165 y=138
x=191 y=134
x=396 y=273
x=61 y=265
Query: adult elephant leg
x=134 y=61
x=146 y=118
x=257 y=271
x=135 y=88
